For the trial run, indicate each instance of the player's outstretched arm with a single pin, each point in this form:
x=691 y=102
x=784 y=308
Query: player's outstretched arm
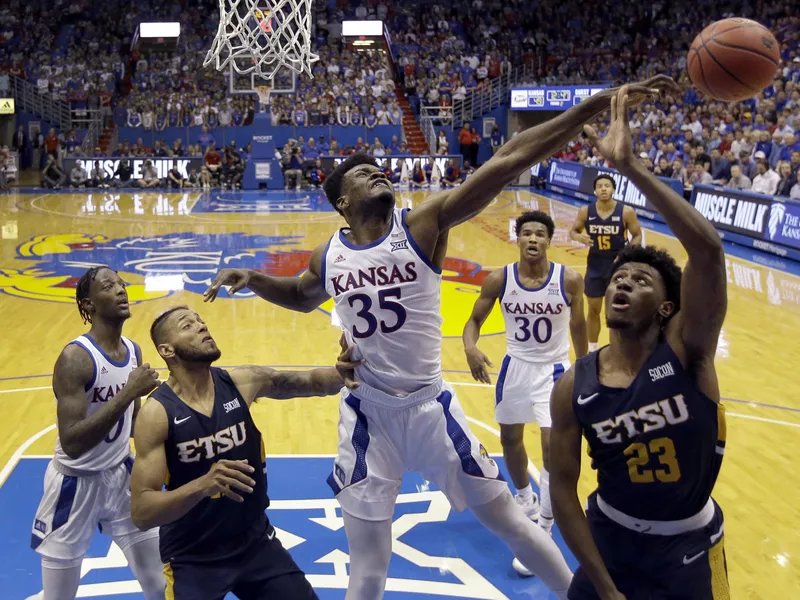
x=303 y=294
x=152 y=507
x=565 y=468
x=522 y=151
x=578 y=231
x=74 y=370
x=573 y=281
x=704 y=298
x=490 y=292
x=632 y=225
x=265 y=382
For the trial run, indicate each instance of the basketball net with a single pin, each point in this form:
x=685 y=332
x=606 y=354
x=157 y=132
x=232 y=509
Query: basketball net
x=263 y=36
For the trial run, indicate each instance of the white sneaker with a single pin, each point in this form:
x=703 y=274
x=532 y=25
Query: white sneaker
x=531 y=508
x=520 y=568
x=547 y=525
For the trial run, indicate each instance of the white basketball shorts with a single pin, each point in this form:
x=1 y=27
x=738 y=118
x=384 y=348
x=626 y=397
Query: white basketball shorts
x=522 y=394
x=73 y=507
x=378 y=444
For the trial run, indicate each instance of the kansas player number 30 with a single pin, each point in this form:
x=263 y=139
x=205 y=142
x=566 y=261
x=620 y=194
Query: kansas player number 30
x=385 y=303
x=640 y=455
x=541 y=329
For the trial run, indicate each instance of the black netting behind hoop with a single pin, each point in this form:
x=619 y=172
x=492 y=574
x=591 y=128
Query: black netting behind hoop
x=261 y=36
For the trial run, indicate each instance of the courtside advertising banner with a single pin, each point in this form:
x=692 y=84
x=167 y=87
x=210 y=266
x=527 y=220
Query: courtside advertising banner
x=575 y=179
x=162 y=165
x=755 y=220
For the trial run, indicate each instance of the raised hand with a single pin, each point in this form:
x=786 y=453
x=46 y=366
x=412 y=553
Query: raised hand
x=142 y=380
x=617 y=145
x=237 y=279
x=642 y=91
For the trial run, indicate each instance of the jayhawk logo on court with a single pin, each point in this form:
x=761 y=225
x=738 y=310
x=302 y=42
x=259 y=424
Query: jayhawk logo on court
x=47 y=267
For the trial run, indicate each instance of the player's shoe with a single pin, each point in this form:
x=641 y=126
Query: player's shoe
x=530 y=508
x=520 y=568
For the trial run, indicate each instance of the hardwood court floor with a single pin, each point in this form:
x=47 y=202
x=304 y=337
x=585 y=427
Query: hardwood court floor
x=170 y=246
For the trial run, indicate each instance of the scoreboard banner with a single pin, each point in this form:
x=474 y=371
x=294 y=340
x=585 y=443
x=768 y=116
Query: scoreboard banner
x=552 y=97
x=575 y=179
x=756 y=220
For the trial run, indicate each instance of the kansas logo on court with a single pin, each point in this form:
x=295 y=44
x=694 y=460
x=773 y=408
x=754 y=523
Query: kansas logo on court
x=47 y=267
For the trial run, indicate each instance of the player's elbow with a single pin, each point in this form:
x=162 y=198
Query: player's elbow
x=139 y=514
x=72 y=448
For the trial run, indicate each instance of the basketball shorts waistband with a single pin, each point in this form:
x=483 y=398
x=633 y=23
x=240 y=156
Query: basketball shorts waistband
x=370 y=394
x=697 y=521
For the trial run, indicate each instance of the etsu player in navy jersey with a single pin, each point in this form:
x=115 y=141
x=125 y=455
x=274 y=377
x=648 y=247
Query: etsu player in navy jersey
x=603 y=226
x=649 y=407
x=383 y=272
x=196 y=436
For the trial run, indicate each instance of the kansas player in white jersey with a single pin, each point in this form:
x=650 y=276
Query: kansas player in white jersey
x=402 y=416
x=98 y=380
x=542 y=304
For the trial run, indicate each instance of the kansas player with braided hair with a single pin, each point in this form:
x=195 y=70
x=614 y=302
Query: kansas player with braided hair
x=98 y=380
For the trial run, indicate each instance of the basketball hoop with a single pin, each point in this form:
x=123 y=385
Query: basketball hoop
x=263 y=92
x=272 y=33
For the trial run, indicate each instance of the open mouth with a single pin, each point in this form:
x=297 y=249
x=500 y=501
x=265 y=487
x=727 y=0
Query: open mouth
x=620 y=302
x=208 y=338
x=379 y=182
x=123 y=304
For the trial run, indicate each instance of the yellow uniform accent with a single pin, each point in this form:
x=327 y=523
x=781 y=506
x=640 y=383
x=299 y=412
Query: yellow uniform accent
x=756 y=361
x=169 y=576
x=719 y=572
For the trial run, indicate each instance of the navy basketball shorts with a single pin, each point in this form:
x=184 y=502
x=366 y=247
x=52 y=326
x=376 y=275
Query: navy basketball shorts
x=264 y=570
x=688 y=566
x=598 y=275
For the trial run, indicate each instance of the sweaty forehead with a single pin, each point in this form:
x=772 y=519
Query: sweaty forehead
x=105 y=275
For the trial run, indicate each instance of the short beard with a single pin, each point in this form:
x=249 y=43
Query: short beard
x=198 y=356
x=613 y=323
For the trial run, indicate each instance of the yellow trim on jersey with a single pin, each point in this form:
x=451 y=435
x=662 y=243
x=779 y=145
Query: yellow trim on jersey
x=263 y=451
x=722 y=429
x=169 y=576
x=719 y=572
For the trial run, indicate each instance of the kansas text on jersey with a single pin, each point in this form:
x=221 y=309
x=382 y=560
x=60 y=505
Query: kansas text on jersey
x=108 y=379
x=387 y=296
x=537 y=319
x=657 y=445
x=216 y=527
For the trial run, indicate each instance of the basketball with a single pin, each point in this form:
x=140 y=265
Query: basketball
x=733 y=59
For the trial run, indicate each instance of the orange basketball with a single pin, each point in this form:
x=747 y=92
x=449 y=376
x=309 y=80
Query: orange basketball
x=733 y=59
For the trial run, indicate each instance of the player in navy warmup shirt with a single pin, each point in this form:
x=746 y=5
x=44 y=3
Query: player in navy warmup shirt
x=649 y=407
x=197 y=438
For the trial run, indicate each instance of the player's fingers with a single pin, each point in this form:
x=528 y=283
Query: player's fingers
x=613 y=110
x=228 y=493
x=343 y=344
x=590 y=133
x=236 y=287
x=348 y=365
x=487 y=361
x=351 y=383
x=239 y=465
x=234 y=482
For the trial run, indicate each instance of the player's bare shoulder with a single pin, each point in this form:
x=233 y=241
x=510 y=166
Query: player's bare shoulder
x=74 y=366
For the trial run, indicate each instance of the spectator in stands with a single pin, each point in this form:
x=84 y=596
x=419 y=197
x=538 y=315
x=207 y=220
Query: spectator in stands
x=78 y=177
x=720 y=167
x=787 y=179
x=465 y=142
x=150 y=177
x=174 y=178
x=451 y=177
x=766 y=181
x=663 y=168
x=497 y=139
x=52 y=144
x=193 y=180
x=699 y=175
x=124 y=173
x=795 y=160
x=213 y=162
x=442 y=143
x=205 y=139
x=738 y=180
x=310 y=153
x=294 y=170
x=52 y=175
x=418 y=178
x=795 y=191
x=232 y=172
x=98 y=176
x=317 y=174
x=748 y=166
x=679 y=173
x=19 y=143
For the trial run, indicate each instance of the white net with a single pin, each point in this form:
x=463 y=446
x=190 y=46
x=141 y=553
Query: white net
x=262 y=36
